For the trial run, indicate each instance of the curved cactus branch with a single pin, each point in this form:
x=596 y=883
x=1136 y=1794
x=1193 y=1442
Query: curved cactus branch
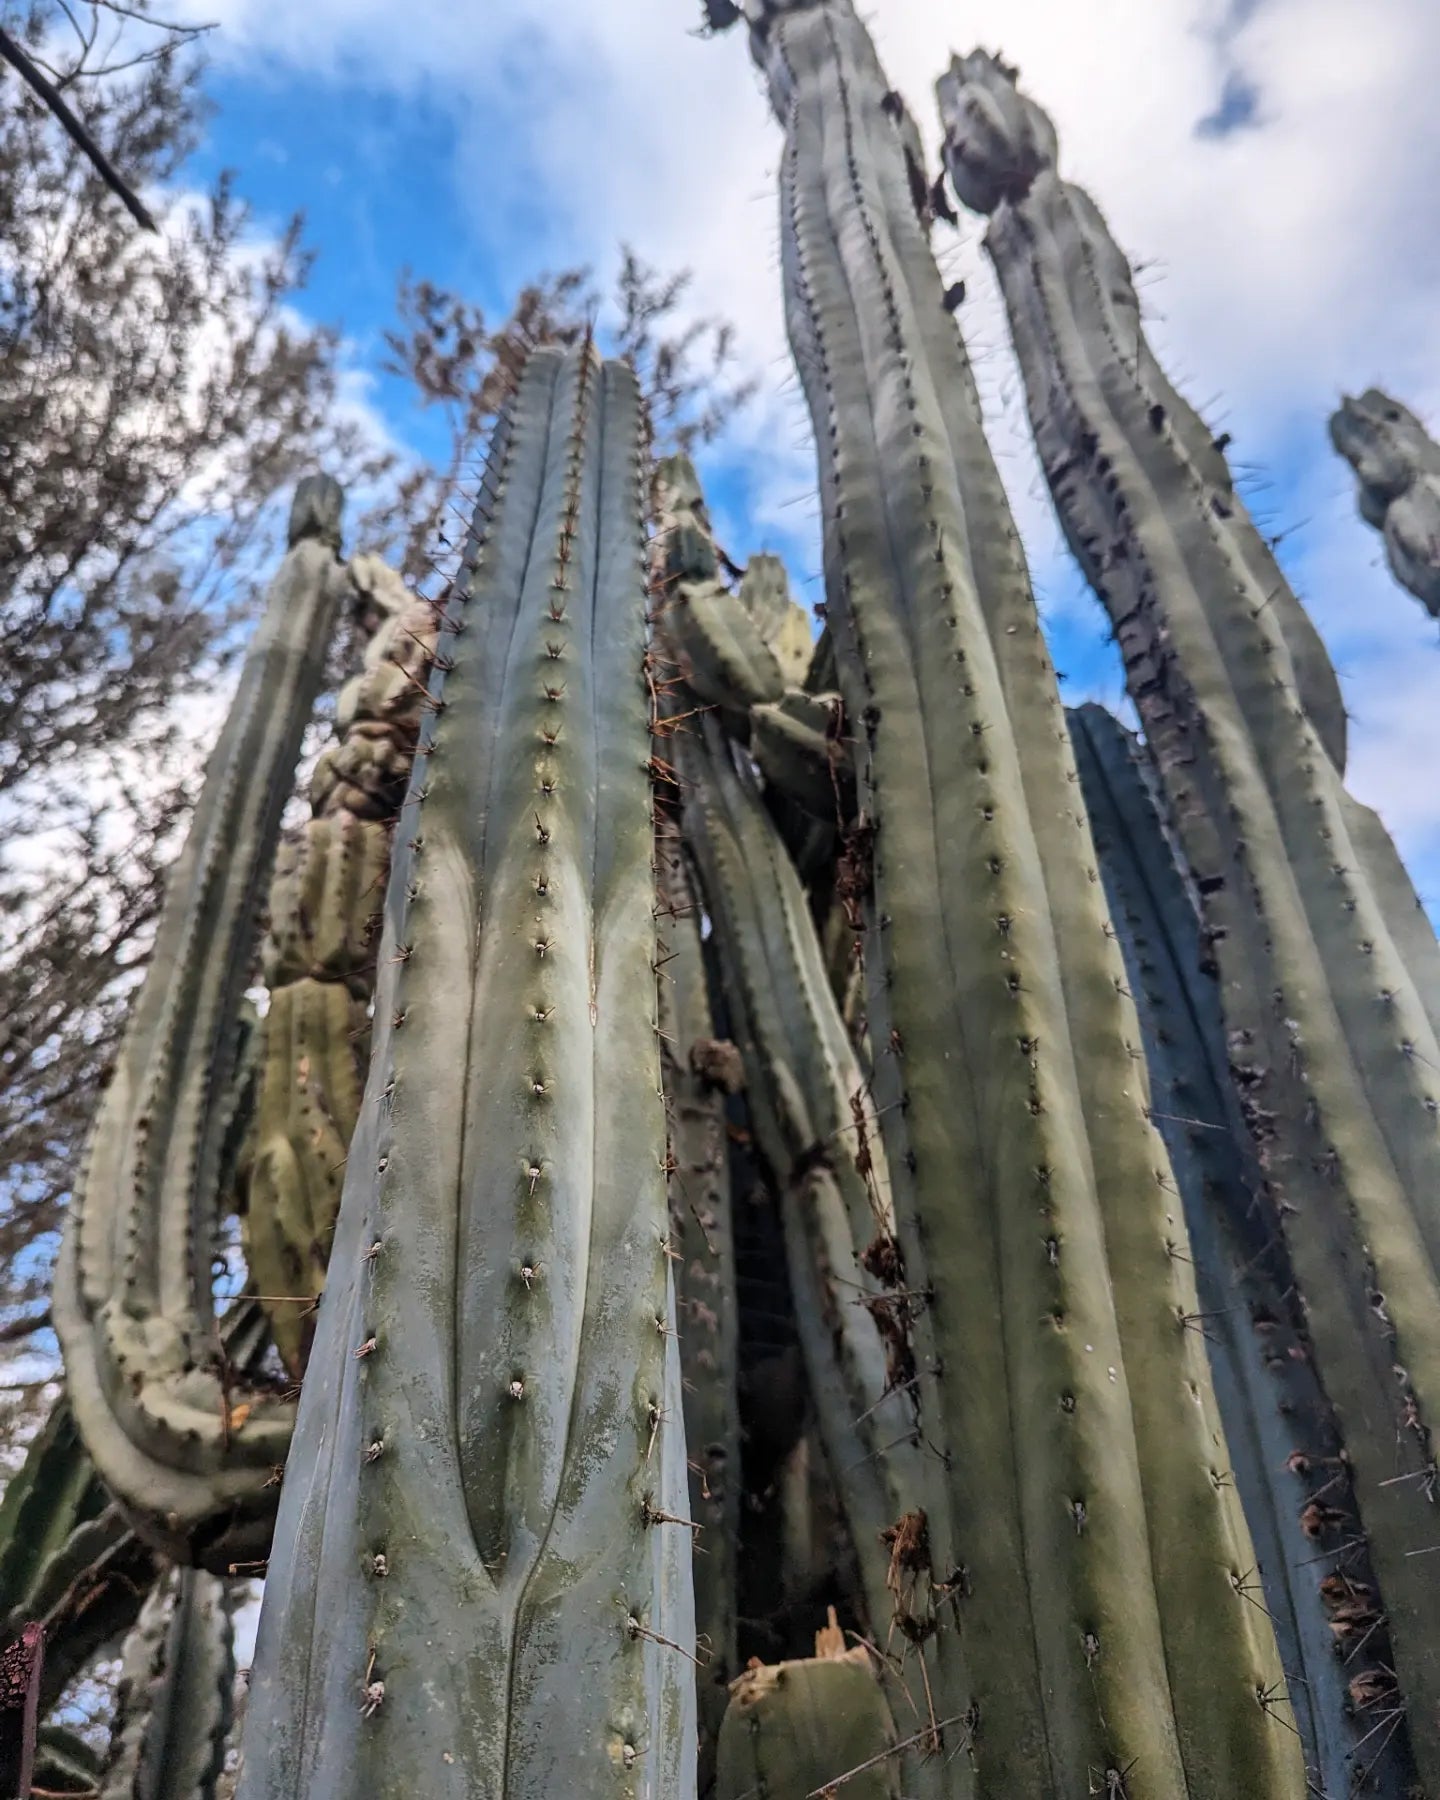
x=1329 y=974
x=1397 y=466
x=489 y=1489
x=134 y=1312
x=1083 y=1563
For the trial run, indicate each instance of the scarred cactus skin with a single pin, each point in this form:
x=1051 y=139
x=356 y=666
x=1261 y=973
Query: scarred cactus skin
x=1329 y=972
x=480 y=1582
x=176 y=1699
x=1397 y=466
x=187 y=1453
x=1082 y=1565
x=798 y=1729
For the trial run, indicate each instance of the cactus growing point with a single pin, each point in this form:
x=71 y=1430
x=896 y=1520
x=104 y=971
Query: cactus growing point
x=1397 y=467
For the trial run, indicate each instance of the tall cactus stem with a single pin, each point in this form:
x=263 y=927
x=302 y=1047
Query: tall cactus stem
x=1327 y=978
x=1086 y=1554
x=481 y=1574
x=133 y=1305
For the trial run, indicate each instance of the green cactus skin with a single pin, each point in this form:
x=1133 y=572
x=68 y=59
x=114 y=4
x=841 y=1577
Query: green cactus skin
x=1090 y=1631
x=316 y=1034
x=319 y=957
x=807 y=1100
x=132 y=1301
x=798 y=745
x=1327 y=976
x=477 y=1586
x=797 y=1729
x=177 y=1688
x=998 y=146
x=1285 y=1450
x=325 y=902
x=68 y=1559
x=803 y=1087
x=698 y=1073
x=1397 y=466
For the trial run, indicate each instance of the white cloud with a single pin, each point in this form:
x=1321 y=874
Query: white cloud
x=1289 y=258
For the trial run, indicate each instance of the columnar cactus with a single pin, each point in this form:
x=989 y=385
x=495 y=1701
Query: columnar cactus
x=148 y=1380
x=1329 y=972
x=810 y=1107
x=1289 y=1464
x=176 y=1699
x=1397 y=466
x=1084 y=1573
x=481 y=1573
x=319 y=959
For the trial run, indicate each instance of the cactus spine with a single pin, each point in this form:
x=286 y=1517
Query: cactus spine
x=1327 y=968
x=133 y=1304
x=1289 y=1464
x=1397 y=467
x=1080 y=1623
x=481 y=1578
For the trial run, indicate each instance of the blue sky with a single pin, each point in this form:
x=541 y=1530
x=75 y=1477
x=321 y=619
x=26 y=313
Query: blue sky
x=1273 y=163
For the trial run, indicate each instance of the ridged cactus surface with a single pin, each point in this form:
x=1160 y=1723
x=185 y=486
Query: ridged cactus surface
x=134 y=1312
x=1287 y=1456
x=1083 y=1571
x=481 y=1573
x=1397 y=467
x=319 y=957
x=176 y=1697
x=813 y=1727
x=1329 y=972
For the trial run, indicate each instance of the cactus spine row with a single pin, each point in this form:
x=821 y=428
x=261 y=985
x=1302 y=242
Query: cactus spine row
x=1068 y=1399
x=133 y=1302
x=481 y=1574
x=1328 y=970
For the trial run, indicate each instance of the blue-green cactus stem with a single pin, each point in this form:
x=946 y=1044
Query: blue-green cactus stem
x=133 y=1304
x=1327 y=978
x=176 y=1697
x=1287 y=1455
x=481 y=1574
x=1397 y=467
x=1088 y=1539
x=800 y=746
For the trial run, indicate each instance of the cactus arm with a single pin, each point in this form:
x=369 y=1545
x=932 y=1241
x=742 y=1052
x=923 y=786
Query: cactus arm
x=1397 y=469
x=177 y=1682
x=1285 y=1449
x=797 y=745
x=960 y=886
x=1330 y=1032
x=132 y=1300
x=506 y=1443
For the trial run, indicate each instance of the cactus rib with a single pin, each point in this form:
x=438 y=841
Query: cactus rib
x=493 y=1459
x=1070 y=1404
x=1327 y=977
x=133 y=1304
